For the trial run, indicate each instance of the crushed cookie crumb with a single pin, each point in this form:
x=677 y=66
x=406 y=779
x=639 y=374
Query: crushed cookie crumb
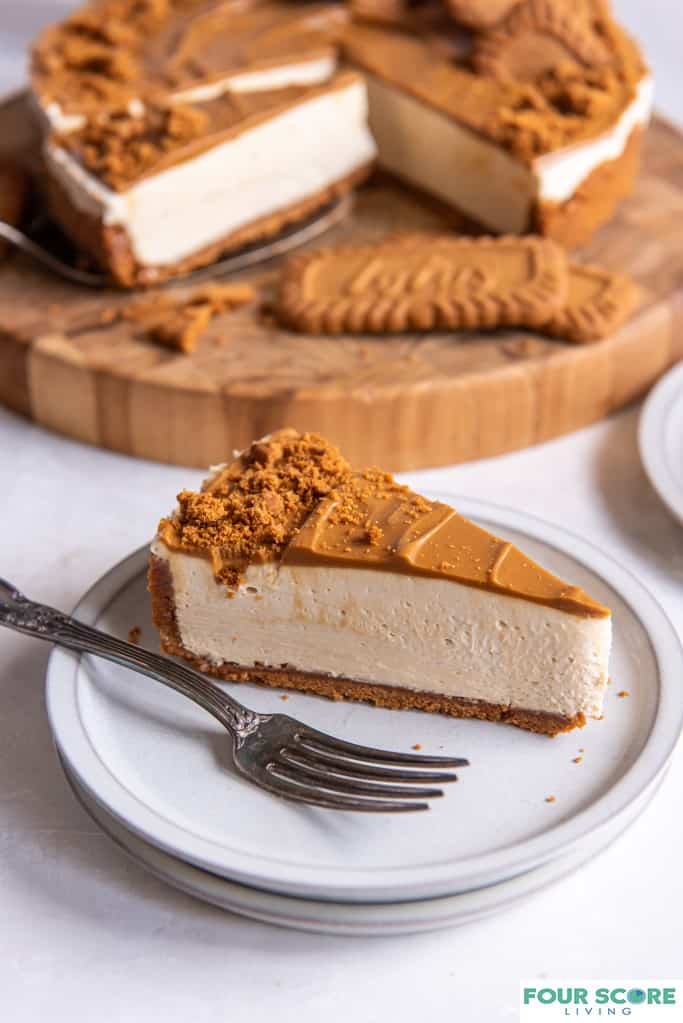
x=551 y=799
x=179 y=323
x=623 y=693
x=251 y=510
x=284 y=696
x=374 y=535
x=577 y=760
x=417 y=746
x=119 y=147
x=134 y=635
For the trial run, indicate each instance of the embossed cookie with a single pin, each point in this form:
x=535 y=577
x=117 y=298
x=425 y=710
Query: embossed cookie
x=424 y=282
x=598 y=302
x=388 y=12
x=480 y=13
x=539 y=36
x=13 y=193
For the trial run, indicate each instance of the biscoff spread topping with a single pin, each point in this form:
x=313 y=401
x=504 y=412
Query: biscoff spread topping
x=292 y=499
x=115 y=50
x=95 y=54
x=353 y=510
x=119 y=147
x=250 y=510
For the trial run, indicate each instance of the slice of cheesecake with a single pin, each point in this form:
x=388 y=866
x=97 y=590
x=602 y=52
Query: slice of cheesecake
x=245 y=166
x=291 y=569
x=175 y=132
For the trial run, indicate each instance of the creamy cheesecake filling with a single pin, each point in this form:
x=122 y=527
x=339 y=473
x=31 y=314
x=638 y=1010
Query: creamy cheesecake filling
x=412 y=632
x=264 y=169
x=441 y=156
x=456 y=164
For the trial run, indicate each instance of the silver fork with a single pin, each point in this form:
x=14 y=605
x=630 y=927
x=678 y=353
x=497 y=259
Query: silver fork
x=275 y=751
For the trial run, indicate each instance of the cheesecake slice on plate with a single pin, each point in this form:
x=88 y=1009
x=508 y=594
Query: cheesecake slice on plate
x=291 y=569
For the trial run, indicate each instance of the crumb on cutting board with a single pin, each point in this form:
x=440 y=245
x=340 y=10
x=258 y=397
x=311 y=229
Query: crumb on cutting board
x=179 y=323
x=134 y=635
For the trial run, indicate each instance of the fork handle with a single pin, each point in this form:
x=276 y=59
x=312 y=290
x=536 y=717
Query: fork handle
x=23 y=615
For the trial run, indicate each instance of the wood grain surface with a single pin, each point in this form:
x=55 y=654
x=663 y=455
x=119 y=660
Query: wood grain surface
x=402 y=402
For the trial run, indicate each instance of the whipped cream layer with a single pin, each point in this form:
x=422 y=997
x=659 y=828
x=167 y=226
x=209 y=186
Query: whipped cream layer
x=412 y=632
x=451 y=161
x=259 y=171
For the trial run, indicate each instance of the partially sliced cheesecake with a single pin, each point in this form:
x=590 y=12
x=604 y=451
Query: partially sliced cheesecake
x=291 y=569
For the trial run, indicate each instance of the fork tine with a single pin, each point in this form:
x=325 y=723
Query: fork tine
x=363 y=770
x=300 y=792
x=346 y=781
x=320 y=742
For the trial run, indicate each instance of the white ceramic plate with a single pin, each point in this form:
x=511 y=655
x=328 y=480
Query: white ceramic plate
x=661 y=439
x=159 y=765
x=352 y=919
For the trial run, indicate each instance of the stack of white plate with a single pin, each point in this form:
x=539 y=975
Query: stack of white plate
x=661 y=439
x=154 y=771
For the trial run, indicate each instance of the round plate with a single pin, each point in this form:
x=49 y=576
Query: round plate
x=161 y=766
x=351 y=919
x=661 y=439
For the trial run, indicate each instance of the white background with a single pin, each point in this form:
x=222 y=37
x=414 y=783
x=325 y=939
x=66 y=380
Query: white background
x=85 y=935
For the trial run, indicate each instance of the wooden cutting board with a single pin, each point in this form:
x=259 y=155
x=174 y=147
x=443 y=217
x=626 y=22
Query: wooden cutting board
x=402 y=402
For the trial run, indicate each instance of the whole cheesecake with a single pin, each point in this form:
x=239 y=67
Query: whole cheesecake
x=291 y=569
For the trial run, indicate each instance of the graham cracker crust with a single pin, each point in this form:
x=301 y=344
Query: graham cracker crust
x=110 y=246
x=160 y=586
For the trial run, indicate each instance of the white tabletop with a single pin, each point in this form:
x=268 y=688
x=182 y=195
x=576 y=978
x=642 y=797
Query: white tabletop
x=85 y=934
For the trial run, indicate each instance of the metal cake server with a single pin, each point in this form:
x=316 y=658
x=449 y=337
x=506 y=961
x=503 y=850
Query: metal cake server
x=326 y=218
x=274 y=751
